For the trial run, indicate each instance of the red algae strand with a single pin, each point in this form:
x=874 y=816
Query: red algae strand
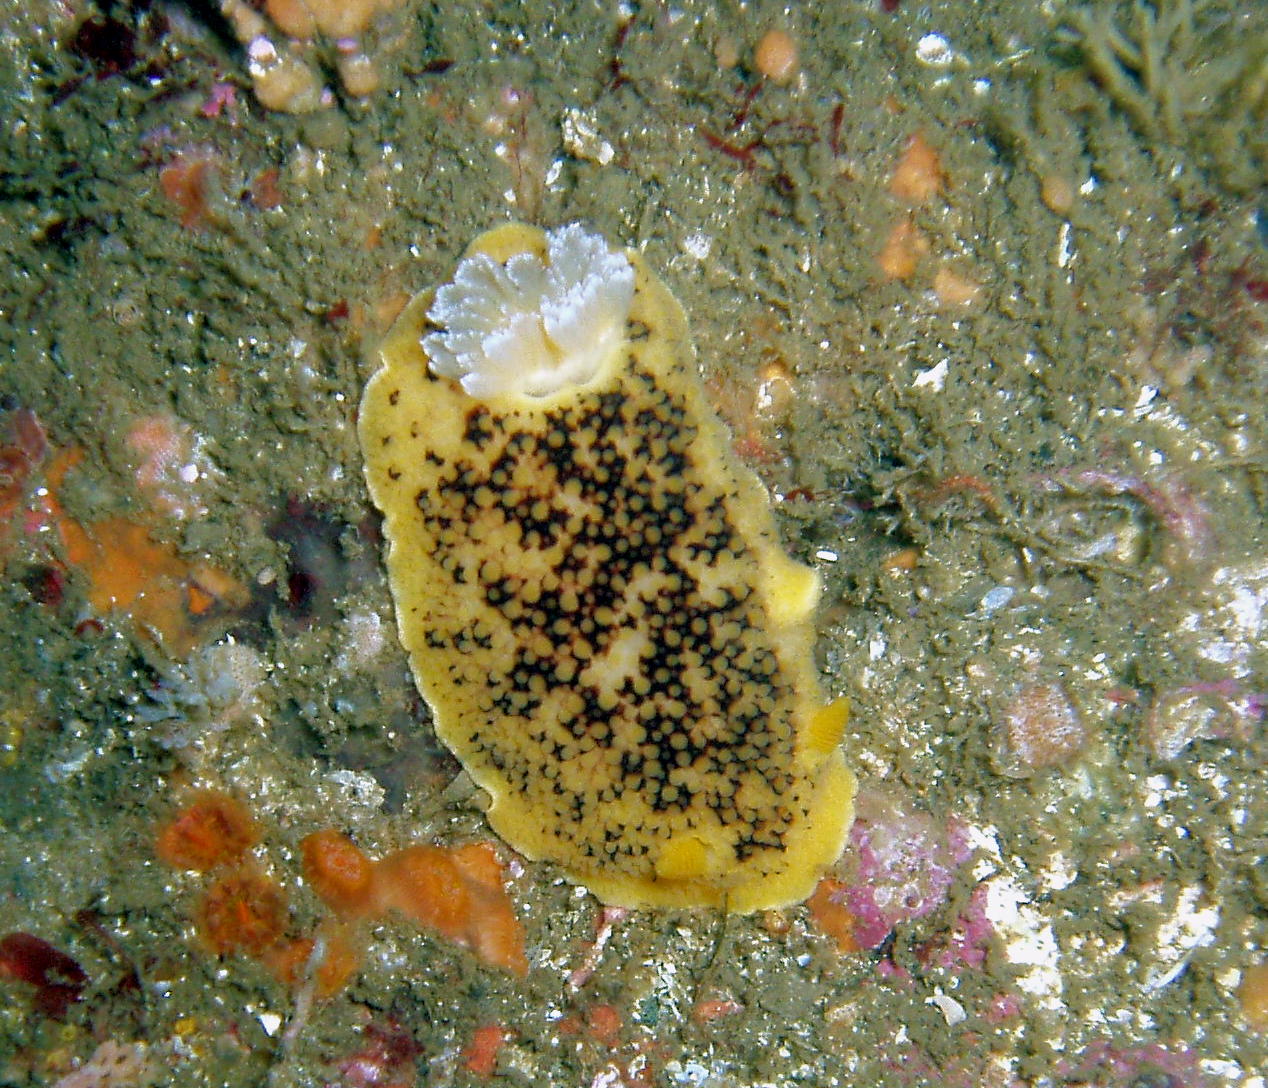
x=58 y=980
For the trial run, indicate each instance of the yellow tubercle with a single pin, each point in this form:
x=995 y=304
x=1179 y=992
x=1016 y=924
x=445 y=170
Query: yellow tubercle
x=794 y=591
x=591 y=587
x=685 y=858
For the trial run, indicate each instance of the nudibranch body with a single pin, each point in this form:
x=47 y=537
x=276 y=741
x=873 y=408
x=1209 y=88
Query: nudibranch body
x=590 y=586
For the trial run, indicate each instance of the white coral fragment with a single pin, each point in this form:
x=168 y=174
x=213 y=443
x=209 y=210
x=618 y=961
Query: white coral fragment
x=532 y=328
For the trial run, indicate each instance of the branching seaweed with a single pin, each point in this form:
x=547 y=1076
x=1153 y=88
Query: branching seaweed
x=1183 y=74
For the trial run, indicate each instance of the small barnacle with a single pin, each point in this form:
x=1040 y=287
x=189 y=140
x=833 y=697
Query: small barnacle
x=536 y=324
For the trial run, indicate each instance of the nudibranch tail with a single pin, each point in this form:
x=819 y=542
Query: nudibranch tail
x=591 y=587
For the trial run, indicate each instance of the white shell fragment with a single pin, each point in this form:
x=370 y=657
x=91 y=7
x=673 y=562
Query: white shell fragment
x=532 y=328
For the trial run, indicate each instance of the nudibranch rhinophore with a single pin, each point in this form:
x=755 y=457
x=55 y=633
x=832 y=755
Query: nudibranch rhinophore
x=591 y=588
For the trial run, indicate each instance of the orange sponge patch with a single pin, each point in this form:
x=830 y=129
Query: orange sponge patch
x=332 y=966
x=456 y=891
x=459 y=893
x=337 y=870
x=130 y=572
x=831 y=916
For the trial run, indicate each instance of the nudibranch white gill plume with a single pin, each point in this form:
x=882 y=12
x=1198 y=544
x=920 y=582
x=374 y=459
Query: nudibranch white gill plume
x=528 y=325
x=590 y=586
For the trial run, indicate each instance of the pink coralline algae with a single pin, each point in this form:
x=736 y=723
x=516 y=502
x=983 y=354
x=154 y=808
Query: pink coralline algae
x=172 y=469
x=1127 y=1067
x=223 y=96
x=899 y=866
x=966 y=942
x=23 y=449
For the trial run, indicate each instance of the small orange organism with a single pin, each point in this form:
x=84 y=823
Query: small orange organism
x=456 y=891
x=776 y=56
x=1253 y=995
x=707 y=1010
x=193 y=182
x=918 y=175
x=459 y=892
x=831 y=916
x=212 y=829
x=955 y=290
x=423 y=883
x=903 y=249
x=480 y=1056
x=340 y=874
x=604 y=1024
x=332 y=965
x=243 y=911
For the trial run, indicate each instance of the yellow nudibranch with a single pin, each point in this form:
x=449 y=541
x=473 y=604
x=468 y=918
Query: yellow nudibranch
x=590 y=586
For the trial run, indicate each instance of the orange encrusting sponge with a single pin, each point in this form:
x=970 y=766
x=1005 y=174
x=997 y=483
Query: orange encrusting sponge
x=456 y=891
x=340 y=874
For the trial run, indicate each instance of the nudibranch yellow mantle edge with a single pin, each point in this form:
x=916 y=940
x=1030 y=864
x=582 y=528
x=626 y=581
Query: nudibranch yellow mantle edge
x=591 y=587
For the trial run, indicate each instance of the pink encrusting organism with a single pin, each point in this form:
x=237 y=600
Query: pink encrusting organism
x=173 y=469
x=899 y=866
x=1103 y=1063
x=966 y=942
x=24 y=447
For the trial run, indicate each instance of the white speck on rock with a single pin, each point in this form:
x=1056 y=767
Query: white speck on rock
x=697 y=245
x=935 y=377
x=359 y=789
x=935 y=51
